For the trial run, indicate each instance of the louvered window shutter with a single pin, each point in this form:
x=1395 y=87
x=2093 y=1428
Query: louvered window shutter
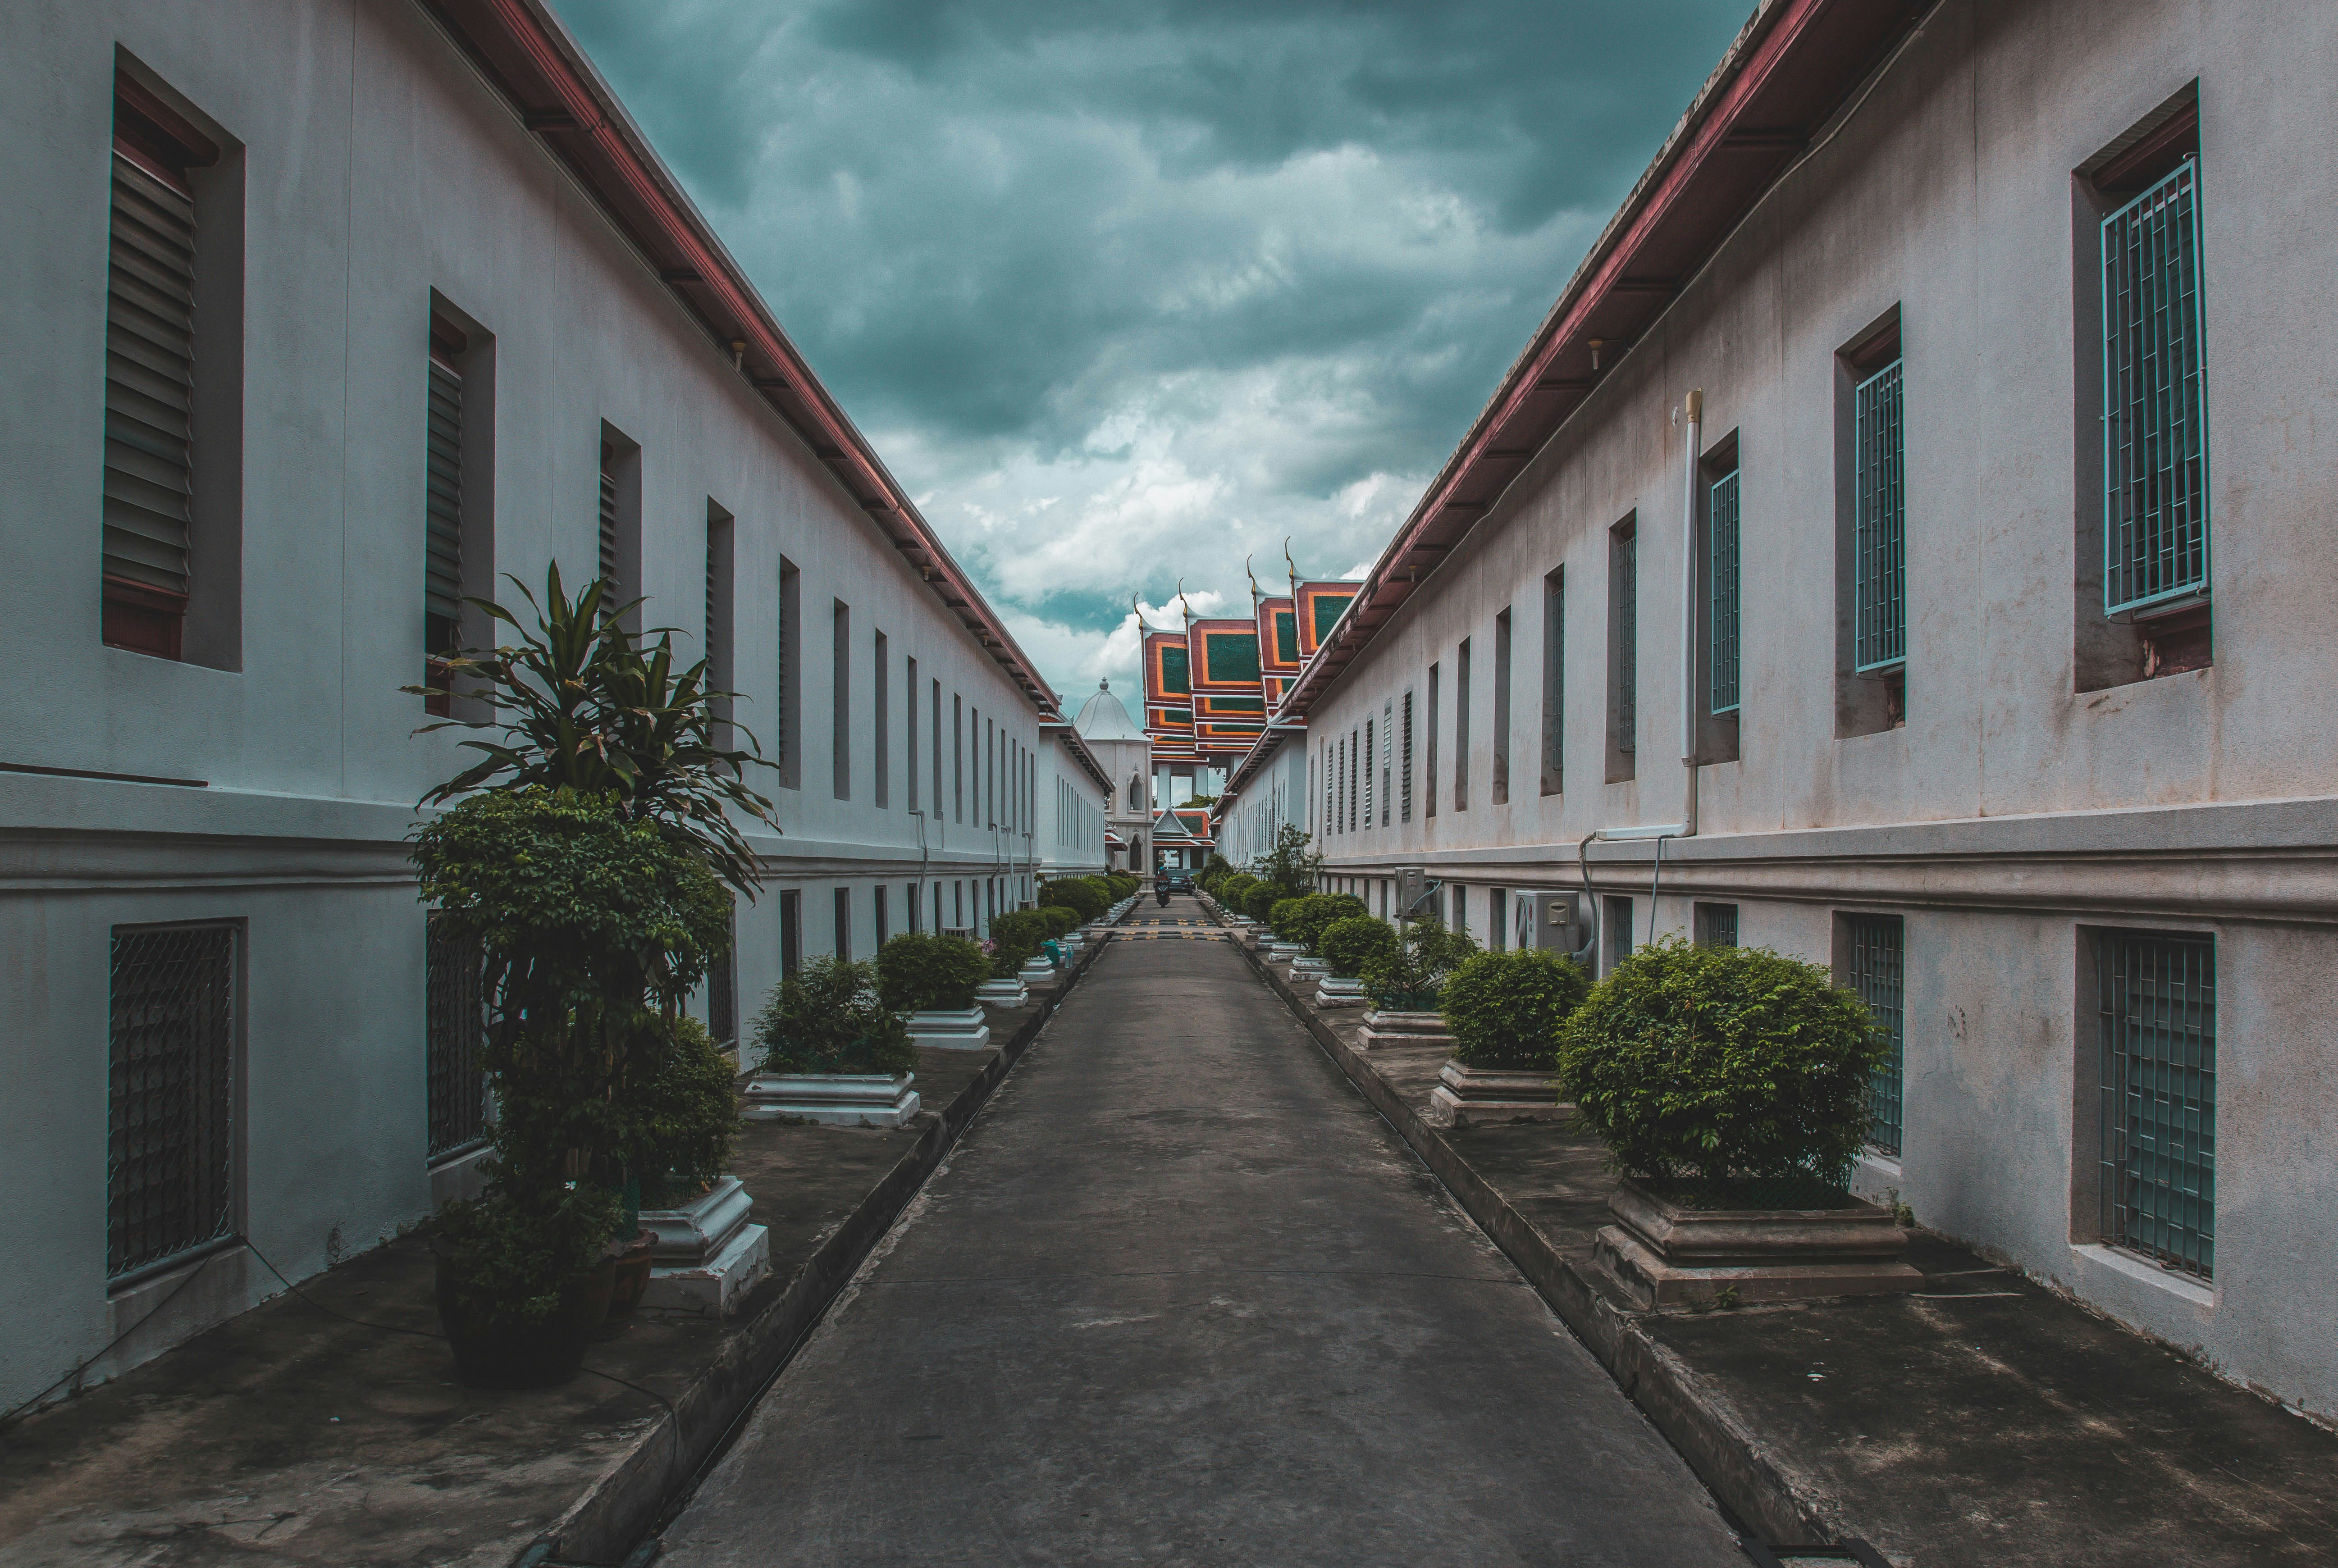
x=609 y=584
x=149 y=410
x=442 y=587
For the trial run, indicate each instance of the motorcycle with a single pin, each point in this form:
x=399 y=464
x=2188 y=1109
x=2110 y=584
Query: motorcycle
x=1161 y=891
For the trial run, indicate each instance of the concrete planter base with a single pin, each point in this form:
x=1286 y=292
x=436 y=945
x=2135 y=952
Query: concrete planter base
x=1335 y=992
x=1283 y=952
x=708 y=1257
x=1384 y=1027
x=949 y=1030
x=1007 y=993
x=1308 y=969
x=1663 y=1255
x=1473 y=1096
x=840 y=1099
x=1037 y=972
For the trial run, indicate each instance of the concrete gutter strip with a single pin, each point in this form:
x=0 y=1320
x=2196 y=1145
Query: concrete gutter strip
x=634 y=1492
x=1692 y=1416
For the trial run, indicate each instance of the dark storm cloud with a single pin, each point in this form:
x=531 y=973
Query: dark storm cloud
x=1126 y=290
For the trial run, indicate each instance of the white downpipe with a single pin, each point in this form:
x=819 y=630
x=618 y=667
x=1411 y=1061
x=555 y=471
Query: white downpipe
x=1686 y=826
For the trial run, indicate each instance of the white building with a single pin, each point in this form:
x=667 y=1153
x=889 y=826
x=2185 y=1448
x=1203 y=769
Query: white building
x=1072 y=824
x=1264 y=791
x=1120 y=747
x=1955 y=295
x=324 y=313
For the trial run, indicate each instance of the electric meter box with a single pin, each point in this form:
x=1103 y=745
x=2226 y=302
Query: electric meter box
x=1549 y=920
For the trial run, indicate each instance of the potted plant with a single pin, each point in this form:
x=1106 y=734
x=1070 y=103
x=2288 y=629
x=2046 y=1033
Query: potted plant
x=1404 y=986
x=593 y=928
x=1504 y=1010
x=1730 y=1085
x=585 y=856
x=1076 y=894
x=1349 y=945
x=833 y=1050
x=1316 y=913
x=933 y=977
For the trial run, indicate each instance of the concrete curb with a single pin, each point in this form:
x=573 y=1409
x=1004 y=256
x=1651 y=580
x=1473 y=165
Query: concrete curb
x=630 y=1496
x=1697 y=1421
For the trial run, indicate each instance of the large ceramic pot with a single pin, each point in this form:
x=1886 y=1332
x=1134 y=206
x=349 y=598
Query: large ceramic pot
x=502 y=1354
x=633 y=1276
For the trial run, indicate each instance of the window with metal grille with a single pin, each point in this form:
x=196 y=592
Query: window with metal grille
x=1615 y=929
x=150 y=394
x=1554 y=682
x=2154 y=398
x=1370 y=748
x=722 y=531
x=880 y=723
x=787 y=715
x=2157 y=1032
x=792 y=928
x=457 y=1019
x=170 y=1135
x=1879 y=522
x=722 y=985
x=1874 y=945
x=844 y=923
x=1716 y=924
x=1405 y=764
x=1722 y=532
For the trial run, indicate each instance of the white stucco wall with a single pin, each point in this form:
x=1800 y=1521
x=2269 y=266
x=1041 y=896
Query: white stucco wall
x=377 y=167
x=2015 y=809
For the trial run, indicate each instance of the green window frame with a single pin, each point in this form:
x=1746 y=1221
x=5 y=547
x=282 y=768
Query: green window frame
x=1878 y=954
x=2157 y=1032
x=1880 y=521
x=1722 y=592
x=2154 y=398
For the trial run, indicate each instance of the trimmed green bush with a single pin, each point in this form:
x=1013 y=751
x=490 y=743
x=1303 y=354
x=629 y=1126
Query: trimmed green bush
x=1230 y=891
x=921 y=971
x=1058 y=918
x=1284 y=916
x=1259 y=898
x=1075 y=893
x=1013 y=938
x=689 y=1116
x=830 y=1016
x=1410 y=979
x=1714 y=1064
x=1505 y=1009
x=1351 y=944
x=1318 y=910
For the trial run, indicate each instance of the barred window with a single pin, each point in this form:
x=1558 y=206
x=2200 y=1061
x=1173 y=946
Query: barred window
x=723 y=977
x=1716 y=924
x=442 y=510
x=2157 y=1032
x=456 y=1020
x=170 y=1134
x=1880 y=521
x=1369 y=748
x=1877 y=963
x=2154 y=398
x=1388 y=746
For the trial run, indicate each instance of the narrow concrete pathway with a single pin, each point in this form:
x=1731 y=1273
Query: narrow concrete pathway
x=1180 y=1296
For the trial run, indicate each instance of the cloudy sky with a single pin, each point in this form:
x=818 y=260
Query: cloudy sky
x=1126 y=290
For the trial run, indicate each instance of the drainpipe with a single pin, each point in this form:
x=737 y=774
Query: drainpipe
x=1686 y=826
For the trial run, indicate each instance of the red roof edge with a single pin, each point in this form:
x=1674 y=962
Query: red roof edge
x=1791 y=68
x=535 y=64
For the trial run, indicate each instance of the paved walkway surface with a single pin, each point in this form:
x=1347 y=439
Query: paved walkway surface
x=1179 y=1297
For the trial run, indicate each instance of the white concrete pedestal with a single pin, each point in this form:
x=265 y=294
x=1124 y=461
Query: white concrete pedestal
x=1471 y=1096
x=1382 y=1028
x=1336 y=992
x=840 y=1099
x=1007 y=993
x=951 y=1030
x=708 y=1257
